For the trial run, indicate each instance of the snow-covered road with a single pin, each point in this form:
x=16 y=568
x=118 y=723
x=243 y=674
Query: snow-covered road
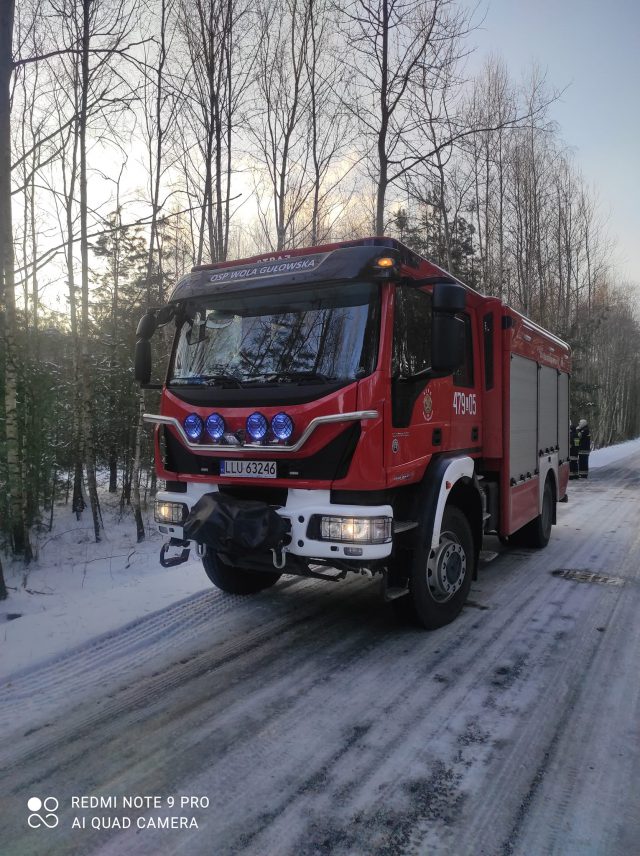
x=315 y=725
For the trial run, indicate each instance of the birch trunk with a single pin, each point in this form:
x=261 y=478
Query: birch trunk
x=136 y=503
x=18 y=528
x=85 y=374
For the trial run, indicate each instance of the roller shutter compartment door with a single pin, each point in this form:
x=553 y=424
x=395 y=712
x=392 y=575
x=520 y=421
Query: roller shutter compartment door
x=523 y=418
x=547 y=410
x=563 y=415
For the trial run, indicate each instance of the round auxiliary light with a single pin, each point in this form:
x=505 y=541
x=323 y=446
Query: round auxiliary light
x=215 y=426
x=385 y=262
x=257 y=426
x=282 y=426
x=193 y=426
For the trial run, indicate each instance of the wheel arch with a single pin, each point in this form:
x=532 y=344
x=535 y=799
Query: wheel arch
x=553 y=478
x=549 y=472
x=452 y=481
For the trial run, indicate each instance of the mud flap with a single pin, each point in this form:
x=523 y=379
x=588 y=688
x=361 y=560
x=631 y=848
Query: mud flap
x=227 y=524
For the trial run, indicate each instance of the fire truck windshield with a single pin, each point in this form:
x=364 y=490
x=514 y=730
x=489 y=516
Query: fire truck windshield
x=319 y=334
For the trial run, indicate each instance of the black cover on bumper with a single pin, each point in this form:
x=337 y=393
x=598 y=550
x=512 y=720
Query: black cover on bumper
x=224 y=523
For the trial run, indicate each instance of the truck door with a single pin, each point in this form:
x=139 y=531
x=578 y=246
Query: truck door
x=416 y=418
x=466 y=418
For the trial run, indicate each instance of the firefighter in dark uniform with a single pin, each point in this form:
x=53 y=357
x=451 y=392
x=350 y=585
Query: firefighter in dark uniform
x=574 y=443
x=584 y=448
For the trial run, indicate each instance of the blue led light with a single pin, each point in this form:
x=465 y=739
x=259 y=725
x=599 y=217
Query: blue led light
x=215 y=426
x=282 y=426
x=193 y=426
x=257 y=426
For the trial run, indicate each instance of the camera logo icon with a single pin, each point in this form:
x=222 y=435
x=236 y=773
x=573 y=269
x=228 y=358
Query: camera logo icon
x=43 y=812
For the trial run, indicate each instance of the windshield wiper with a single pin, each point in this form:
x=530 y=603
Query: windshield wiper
x=209 y=380
x=296 y=376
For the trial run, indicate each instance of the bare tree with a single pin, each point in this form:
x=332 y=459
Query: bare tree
x=492 y=108
x=213 y=32
x=18 y=525
x=280 y=124
x=99 y=45
x=161 y=103
x=397 y=43
x=331 y=129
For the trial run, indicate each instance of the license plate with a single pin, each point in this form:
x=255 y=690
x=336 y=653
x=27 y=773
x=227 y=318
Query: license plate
x=249 y=469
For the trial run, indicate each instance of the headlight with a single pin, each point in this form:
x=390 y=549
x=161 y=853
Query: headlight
x=193 y=426
x=215 y=426
x=257 y=426
x=282 y=426
x=356 y=530
x=170 y=512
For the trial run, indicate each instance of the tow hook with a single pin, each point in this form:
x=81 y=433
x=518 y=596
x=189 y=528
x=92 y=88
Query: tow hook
x=279 y=558
x=174 y=560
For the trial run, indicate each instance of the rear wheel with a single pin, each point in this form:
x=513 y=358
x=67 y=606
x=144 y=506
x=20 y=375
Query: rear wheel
x=236 y=580
x=538 y=532
x=440 y=577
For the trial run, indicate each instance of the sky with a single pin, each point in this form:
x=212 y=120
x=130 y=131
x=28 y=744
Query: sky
x=592 y=48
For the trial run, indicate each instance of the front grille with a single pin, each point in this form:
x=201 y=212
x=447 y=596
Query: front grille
x=331 y=462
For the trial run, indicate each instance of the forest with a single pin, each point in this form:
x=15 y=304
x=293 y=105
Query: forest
x=140 y=137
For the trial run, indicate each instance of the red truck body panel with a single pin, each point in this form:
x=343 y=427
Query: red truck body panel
x=474 y=420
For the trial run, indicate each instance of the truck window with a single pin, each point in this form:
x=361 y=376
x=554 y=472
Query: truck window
x=279 y=336
x=464 y=375
x=411 y=331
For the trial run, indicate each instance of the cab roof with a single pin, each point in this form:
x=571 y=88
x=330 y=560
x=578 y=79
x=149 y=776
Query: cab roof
x=325 y=263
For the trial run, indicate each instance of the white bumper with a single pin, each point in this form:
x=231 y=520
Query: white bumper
x=301 y=506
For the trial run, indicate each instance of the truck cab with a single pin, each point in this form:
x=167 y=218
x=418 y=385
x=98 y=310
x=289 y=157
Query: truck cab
x=348 y=409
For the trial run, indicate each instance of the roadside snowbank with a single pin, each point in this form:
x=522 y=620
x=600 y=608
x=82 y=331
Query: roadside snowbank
x=78 y=589
x=611 y=454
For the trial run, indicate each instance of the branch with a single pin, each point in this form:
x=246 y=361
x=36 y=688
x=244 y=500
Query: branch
x=142 y=221
x=20 y=63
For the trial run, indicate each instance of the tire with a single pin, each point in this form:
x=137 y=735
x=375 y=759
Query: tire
x=537 y=533
x=440 y=579
x=236 y=580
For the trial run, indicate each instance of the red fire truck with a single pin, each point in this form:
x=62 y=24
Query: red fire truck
x=353 y=407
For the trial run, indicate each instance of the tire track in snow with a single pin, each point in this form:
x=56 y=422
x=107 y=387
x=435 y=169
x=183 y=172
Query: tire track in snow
x=321 y=767
x=118 y=653
x=469 y=706
x=277 y=839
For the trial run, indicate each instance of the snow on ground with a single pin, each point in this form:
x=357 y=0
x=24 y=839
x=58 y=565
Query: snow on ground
x=78 y=589
x=611 y=454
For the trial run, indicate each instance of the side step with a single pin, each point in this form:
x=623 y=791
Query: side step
x=394 y=592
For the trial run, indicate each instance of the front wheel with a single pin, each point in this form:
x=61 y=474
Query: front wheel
x=440 y=577
x=236 y=580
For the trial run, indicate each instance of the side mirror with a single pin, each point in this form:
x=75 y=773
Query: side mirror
x=147 y=326
x=447 y=343
x=447 y=331
x=448 y=297
x=142 y=361
x=165 y=314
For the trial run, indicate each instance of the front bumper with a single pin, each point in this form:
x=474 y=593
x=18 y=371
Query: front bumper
x=300 y=507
